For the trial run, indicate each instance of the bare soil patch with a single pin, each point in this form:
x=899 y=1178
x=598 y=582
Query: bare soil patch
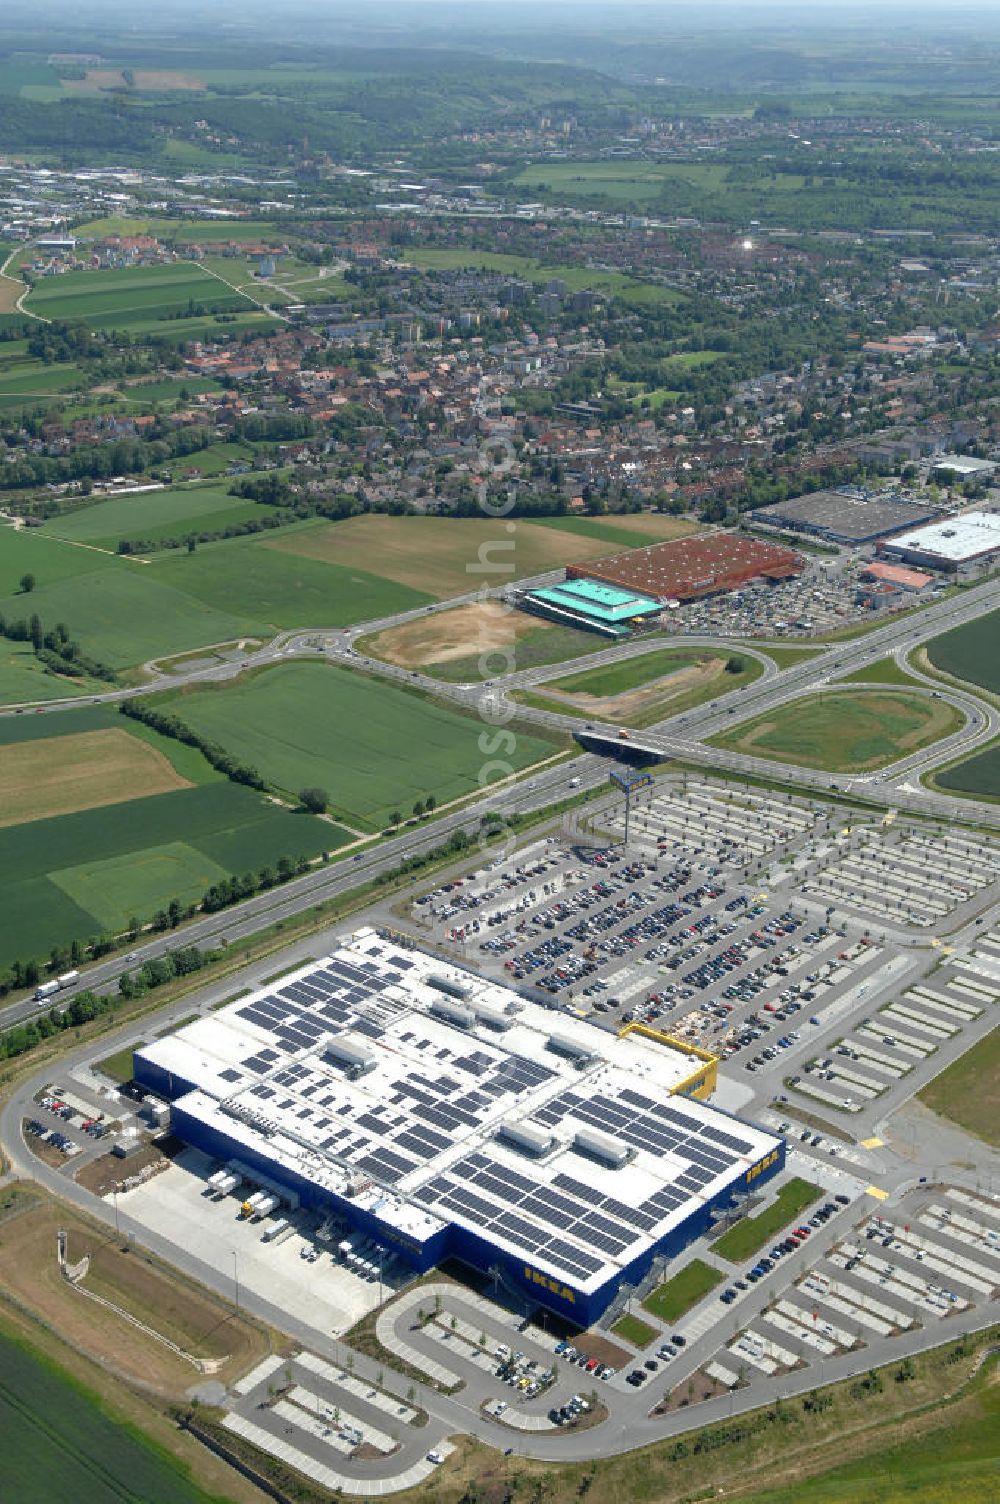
x=61 y=774
x=484 y=627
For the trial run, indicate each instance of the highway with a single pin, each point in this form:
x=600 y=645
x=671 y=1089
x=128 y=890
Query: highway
x=683 y=737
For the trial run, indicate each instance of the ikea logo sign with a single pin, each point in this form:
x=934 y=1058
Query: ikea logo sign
x=762 y=1165
x=563 y=1291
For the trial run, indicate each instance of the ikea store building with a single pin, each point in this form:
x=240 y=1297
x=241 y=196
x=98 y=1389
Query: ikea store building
x=444 y=1116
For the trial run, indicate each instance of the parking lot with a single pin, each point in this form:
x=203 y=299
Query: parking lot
x=854 y=1068
x=939 y=1254
x=676 y=932
x=899 y=876
x=819 y=600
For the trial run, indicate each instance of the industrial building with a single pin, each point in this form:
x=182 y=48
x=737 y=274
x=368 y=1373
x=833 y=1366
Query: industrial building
x=850 y=516
x=591 y=605
x=445 y=1116
x=687 y=569
x=966 y=545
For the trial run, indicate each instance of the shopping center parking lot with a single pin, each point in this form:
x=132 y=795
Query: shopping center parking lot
x=819 y=600
x=937 y=1255
x=697 y=928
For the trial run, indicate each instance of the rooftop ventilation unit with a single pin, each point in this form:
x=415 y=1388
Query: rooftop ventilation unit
x=491 y=1018
x=573 y=1049
x=448 y=984
x=607 y=1151
x=351 y=1055
x=527 y=1138
x=456 y=1014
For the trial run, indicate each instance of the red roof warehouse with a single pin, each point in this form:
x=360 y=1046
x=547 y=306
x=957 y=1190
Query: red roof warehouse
x=686 y=569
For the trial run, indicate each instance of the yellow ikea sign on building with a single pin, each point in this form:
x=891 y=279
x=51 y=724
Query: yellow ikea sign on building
x=761 y=1166
x=563 y=1291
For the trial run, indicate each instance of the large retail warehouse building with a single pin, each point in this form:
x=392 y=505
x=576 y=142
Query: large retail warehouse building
x=445 y=1116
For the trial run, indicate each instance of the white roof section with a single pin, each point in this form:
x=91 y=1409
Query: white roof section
x=599 y=1160
x=954 y=539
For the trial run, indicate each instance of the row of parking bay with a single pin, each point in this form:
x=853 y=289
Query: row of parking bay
x=720 y=823
x=313 y=1408
x=905 y=876
x=885 y=1047
x=939 y=1255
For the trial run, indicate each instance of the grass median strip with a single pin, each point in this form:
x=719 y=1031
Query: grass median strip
x=631 y=1329
x=753 y=1232
x=682 y=1291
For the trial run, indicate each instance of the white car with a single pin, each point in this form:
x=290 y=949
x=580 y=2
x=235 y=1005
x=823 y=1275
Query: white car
x=435 y=1457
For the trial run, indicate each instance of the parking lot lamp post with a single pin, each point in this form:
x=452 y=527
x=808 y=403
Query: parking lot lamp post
x=236 y=1282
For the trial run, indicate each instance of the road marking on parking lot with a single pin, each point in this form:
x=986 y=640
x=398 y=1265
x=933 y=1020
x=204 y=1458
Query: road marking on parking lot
x=872 y=1143
x=873 y=1190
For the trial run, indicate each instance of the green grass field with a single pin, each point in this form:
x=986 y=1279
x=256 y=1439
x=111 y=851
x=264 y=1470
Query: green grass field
x=60 y=1443
x=970 y=652
x=968 y=1092
x=664 y=683
x=628 y=673
x=134 y=296
x=743 y=1240
x=635 y=1331
x=885 y=671
x=120 y=886
x=682 y=1291
x=64 y=879
x=954 y=1463
x=23 y=680
x=124 y=612
x=844 y=732
x=978 y=776
x=376 y=749
x=171 y=513
x=616 y=284
x=247 y=577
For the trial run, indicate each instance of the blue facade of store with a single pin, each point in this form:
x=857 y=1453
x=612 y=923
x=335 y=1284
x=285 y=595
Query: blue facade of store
x=540 y=1288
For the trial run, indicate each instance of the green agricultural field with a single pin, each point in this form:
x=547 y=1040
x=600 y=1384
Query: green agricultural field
x=155 y=514
x=576 y=278
x=170 y=390
x=633 y=530
x=744 y=1240
x=60 y=1443
x=247 y=577
x=376 y=749
x=46 y=901
x=140 y=295
x=683 y=1290
x=23 y=680
x=123 y=612
x=120 y=886
x=845 y=732
x=970 y=652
